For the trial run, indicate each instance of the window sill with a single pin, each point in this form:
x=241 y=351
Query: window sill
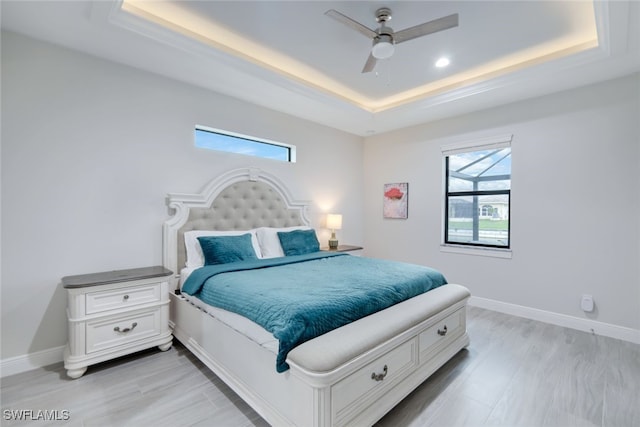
x=478 y=251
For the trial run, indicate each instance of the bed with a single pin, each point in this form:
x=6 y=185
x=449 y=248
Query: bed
x=351 y=375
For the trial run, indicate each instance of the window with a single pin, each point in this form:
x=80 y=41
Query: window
x=478 y=193
x=215 y=139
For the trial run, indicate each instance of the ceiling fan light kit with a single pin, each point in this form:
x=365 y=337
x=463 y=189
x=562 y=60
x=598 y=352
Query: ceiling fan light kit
x=383 y=48
x=384 y=38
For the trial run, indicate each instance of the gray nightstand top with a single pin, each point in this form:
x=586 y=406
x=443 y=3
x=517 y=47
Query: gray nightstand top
x=115 y=276
x=342 y=248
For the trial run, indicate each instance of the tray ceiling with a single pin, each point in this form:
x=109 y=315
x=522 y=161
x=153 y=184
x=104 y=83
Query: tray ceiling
x=291 y=57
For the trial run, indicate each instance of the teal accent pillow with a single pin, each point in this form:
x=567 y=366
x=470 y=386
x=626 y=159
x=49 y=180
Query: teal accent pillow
x=298 y=242
x=226 y=249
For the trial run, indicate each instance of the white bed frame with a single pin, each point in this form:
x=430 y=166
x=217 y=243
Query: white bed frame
x=350 y=376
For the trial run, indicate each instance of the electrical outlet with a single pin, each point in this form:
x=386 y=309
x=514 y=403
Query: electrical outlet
x=587 y=303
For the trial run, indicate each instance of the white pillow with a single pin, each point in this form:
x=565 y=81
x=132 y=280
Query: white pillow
x=270 y=243
x=195 y=257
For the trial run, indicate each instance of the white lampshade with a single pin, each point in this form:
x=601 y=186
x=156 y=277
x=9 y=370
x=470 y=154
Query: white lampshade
x=334 y=221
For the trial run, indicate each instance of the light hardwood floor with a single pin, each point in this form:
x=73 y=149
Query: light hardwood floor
x=516 y=372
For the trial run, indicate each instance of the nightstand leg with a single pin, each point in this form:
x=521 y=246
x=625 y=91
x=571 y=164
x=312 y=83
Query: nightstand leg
x=165 y=347
x=76 y=373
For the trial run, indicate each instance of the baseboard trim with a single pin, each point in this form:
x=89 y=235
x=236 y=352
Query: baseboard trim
x=587 y=325
x=27 y=362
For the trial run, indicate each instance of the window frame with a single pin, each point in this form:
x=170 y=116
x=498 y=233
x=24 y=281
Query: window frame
x=291 y=149
x=480 y=144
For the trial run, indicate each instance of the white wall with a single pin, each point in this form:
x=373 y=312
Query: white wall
x=575 y=213
x=89 y=150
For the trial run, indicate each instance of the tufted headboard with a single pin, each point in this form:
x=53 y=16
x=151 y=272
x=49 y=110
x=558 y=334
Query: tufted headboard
x=241 y=199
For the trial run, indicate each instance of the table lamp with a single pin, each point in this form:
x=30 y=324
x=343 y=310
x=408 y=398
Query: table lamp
x=334 y=222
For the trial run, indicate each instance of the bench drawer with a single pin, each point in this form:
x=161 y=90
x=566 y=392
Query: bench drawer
x=443 y=332
x=350 y=395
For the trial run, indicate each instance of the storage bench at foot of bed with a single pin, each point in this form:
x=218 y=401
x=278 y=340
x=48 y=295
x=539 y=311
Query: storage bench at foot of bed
x=359 y=398
x=364 y=369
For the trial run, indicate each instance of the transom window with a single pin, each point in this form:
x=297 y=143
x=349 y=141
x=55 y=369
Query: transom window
x=478 y=194
x=220 y=140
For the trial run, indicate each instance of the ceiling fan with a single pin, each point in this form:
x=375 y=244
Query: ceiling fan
x=384 y=38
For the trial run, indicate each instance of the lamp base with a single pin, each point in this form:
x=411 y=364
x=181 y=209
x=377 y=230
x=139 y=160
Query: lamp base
x=333 y=242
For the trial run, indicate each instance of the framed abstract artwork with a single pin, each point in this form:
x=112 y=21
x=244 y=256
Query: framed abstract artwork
x=395 y=200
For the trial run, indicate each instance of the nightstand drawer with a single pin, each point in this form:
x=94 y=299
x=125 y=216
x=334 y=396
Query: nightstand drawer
x=115 y=331
x=97 y=302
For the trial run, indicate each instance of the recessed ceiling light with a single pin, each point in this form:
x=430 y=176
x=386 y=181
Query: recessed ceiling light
x=442 y=62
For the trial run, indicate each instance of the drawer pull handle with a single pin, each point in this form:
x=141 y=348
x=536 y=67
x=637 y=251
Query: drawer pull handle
x=126 y=297
x=442 y=332
x=379 y=377
x=125 y=330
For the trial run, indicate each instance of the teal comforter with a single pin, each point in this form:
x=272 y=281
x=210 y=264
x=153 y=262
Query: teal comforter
x=298 y=298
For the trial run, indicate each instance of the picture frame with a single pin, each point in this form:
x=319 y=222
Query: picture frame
x=395 y=202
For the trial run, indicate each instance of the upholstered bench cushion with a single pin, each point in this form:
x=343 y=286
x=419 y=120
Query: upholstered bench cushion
x=333 y=349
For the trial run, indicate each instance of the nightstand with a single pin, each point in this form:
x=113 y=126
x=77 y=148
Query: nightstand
x=115 y=313
x=344 y=248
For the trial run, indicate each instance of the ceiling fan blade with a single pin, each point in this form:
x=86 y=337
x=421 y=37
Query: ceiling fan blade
x=365 y=31
x=370 y=64
x=426 y=28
